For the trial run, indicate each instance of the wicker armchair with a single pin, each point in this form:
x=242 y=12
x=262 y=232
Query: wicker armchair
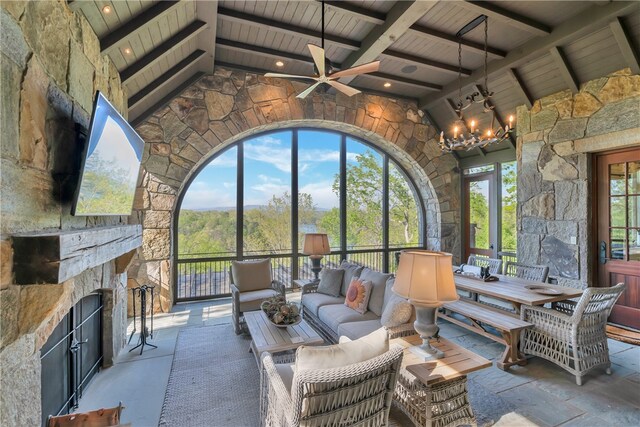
x=358 y=394
x=247 y=295
x=572 y=335
x=536 y=273
x=495 y=265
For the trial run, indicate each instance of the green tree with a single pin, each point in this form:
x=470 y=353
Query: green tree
x=509 y=205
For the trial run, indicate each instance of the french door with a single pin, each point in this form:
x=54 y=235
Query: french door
x=480 y=216
x=618 y=230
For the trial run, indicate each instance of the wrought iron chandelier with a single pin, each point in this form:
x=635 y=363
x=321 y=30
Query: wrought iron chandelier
x=474 y=137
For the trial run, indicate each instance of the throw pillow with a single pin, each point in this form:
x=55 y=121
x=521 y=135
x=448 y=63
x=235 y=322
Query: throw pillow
x=378 y=284
x=330 y=281
x=358 y=295
x=397 y=312
x=350 y=271
x=343 y=354
x=388 y=292
x=251 y=275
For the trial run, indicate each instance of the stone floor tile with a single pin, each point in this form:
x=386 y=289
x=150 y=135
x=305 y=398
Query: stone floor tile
x=586 y=420
x=622 y=390
x=514 y=419
x=635 y=377
x=618 y=346
x=628 y=358
x=490 y=407
x=497 y=380
x=612 y=411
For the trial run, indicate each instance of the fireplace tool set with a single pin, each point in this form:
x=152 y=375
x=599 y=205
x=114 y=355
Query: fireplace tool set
x=141 y=292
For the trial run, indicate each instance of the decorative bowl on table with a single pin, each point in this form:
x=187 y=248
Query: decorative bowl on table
x=281 y=313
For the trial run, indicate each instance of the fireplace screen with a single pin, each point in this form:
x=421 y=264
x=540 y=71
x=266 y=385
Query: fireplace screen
x=71 y=356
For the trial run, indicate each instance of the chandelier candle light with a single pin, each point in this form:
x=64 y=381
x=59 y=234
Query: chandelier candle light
x=425 y=278
x=475 y=137
x=316 y=245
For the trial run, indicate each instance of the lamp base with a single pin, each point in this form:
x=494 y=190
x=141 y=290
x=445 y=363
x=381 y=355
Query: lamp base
x=316 y=268
x=426 y=351
x=425 y=325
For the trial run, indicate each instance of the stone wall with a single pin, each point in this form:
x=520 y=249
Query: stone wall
x=51 y=67
x=223 y=108
x=554 y=169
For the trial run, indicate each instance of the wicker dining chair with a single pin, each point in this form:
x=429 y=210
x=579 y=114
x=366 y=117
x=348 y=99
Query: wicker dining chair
x=536 y=273
x=495 y=265
x=354 y=395
x=573 y=334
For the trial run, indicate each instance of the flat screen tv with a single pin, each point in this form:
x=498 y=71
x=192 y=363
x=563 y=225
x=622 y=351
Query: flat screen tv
x=111 y=163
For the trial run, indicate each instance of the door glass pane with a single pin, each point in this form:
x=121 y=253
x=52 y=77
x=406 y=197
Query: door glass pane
x=617 y=243
x=404 y=229
x=633 y=177
x=509 y=200
x=478 y=169
x=617 y=212
x=479 y=214
x=634 y=245
x=616 y=179
x=633 y=203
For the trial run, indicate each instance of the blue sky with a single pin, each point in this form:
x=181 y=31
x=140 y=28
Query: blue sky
x=268 y=170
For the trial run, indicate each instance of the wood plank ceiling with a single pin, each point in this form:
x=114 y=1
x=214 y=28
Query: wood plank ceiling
x=536 y=48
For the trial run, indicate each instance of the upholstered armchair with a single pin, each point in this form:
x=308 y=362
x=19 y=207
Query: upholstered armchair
x=572 y=335
x=251 y=284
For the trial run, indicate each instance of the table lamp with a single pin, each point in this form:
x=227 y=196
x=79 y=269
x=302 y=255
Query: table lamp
x=425 y=278
x=315 y=245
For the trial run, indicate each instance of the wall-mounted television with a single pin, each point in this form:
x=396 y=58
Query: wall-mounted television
x=111 y=163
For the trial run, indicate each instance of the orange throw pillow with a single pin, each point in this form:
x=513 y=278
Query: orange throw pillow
x=358 y=295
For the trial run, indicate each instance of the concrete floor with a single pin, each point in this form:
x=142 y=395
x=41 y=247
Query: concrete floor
x=537 y=394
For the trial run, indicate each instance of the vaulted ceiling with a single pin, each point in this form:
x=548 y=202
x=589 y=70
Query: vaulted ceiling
x=536 y=48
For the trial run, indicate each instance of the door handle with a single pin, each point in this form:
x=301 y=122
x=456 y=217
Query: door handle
x=603 y=252
x=491 y=246
x=75 y=344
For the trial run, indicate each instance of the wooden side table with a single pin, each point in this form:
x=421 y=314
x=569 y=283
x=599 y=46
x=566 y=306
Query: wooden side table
x=434 y=393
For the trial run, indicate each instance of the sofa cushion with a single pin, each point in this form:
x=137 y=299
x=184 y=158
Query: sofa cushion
x=388 y=293
x=358 y=295
x=397 y=312
x=285 y=371
x=334 y=315
x=355 y=330
x=343 y=354
x=314 y=301
x=331 y=281
x=251 y=275
x=350 y=271
x=378 y=286
x=251 y=300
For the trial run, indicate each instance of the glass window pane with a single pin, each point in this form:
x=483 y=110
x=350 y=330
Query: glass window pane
x=633 y=204
x=617 y=212
x=633 y=177
x=364 y=196
x=616 y=179
x=478 y=169
x=479 y=214
x=207 y=221
x=617 y=243
x=267 y=194
x=634 y=245
x=319 y=185
x=404 y=223
x=509 y=201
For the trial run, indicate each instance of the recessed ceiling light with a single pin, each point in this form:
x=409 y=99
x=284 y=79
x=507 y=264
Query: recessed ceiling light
x=106 y=9
x=127 y=51
x=387 y=84
x=279 y=64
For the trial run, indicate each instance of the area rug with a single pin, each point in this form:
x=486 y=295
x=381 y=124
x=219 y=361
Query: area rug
x=625 y=335
x=214 y=380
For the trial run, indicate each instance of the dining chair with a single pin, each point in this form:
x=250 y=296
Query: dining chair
x=495 y=265
x=535 y=273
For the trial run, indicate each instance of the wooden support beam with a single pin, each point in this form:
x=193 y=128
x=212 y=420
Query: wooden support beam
x=625 y=44
x=452 y=41
x=564 y=68
x=520 y=87
x=163 y=49
x=440 y=66
x=207 y=11
x=115 y=38
x=451 y=107
x=508 y=17
x=400 y=79
x=166 y=77
x=512 y=139
x=234 y=15
x=585 y=21
x=362 y=13
x=398 y=20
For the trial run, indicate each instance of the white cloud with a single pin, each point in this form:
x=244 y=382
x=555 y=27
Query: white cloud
x=322 y=194
x=201 y=195
x=269 y=152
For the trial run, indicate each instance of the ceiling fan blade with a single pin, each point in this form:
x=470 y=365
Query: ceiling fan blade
x=318 y=57
x=370 y=67
x=307 y=91
x=289 y=76
x=347 y=90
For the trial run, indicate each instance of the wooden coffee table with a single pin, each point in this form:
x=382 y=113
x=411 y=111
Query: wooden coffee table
x=267 y=337
x=434 y=393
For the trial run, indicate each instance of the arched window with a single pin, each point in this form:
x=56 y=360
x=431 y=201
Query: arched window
x=258 y=198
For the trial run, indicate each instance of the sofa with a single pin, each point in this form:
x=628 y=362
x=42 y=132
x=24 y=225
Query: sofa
x=329 y=315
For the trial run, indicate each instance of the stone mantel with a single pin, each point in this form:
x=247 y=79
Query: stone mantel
x=53 y=257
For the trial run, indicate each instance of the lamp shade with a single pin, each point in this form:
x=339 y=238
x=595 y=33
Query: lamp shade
x=316 y=244
x=425 y=278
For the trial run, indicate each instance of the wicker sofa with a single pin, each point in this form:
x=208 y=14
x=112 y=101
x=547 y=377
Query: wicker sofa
x=331 y=318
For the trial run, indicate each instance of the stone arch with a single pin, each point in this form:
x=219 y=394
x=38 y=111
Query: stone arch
x=223 y=108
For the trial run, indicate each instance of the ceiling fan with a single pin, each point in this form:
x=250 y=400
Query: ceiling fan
x=324 y=71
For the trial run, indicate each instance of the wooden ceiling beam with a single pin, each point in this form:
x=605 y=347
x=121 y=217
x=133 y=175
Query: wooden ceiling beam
x=234 y=15
x=394 y=78
x=163 y=49
x=402 y=15
x=452 y=41
x=112 y=40
x=508 y=17
x=587 y=20
x=564 y=67
x=520 y=87
x=362 y=13
x=625 y=44
x=207 y=11
x=512 y=139
x=436 y=65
